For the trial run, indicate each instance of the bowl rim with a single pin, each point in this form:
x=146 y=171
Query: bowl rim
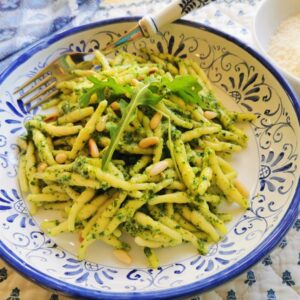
x=190 y=289
x=288 y=74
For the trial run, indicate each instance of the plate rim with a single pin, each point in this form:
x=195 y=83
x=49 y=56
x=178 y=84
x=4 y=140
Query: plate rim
x=193 y=288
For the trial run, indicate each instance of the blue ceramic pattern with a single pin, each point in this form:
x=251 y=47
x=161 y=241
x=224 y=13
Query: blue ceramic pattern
x=7 y=162
x=277 y=177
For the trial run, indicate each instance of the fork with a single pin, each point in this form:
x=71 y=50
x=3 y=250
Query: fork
x=45 y=81
x=58 y=70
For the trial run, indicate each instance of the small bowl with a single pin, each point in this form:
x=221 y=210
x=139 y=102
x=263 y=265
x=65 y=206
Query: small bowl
x=267 y=20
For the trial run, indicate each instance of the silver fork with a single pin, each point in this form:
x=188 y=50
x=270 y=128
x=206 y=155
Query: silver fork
x=61 y=69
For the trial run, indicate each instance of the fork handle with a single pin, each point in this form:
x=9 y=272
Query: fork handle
x=151 y=24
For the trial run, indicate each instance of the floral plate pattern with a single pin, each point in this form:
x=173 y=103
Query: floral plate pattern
x=271 y=173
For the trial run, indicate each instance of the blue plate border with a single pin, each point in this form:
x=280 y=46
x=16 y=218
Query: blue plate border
x=190 y=289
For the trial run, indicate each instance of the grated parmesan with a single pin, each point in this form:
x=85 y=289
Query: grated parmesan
x=285 y=45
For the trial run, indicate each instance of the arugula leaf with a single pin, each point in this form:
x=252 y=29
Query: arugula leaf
x=186 y=87
x=151 y=96
x=123 y=105
x=144 y=96
x=84 y=99
x=112 y=128
x=99 y=88
x=172 y=150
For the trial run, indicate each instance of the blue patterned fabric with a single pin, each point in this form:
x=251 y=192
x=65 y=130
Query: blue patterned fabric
x=23 y=22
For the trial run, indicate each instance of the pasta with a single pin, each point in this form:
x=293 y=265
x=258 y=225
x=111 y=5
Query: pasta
x=138 y=147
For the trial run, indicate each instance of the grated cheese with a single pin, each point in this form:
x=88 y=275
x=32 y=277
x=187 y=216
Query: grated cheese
x=285 y=45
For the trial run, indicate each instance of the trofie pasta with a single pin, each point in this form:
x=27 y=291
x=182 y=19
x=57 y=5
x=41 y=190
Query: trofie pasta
x=138 y=145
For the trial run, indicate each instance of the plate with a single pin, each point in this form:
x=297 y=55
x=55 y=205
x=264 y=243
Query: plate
x=269 y=167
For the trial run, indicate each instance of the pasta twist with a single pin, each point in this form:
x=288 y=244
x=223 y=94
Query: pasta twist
x=168 y=175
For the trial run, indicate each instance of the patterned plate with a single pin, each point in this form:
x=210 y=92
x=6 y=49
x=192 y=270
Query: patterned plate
x=269 y=168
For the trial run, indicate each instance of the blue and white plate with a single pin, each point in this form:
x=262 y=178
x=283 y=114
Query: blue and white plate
x=269 y=168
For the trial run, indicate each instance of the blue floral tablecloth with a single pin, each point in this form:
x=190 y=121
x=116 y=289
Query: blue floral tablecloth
x=23 y=22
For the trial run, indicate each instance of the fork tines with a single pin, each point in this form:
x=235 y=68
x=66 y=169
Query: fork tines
x=46 y=84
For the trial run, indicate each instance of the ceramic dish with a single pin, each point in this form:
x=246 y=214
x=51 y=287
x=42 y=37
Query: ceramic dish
x=267 y=20
x=269 y=168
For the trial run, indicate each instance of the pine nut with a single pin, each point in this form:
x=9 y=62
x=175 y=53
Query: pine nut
x=41 y=167
x=51 y=117
x=93 y=148
x=61 y=158
x=210 y=114
x=115 y=106
x=141 y=77
x=134 y=82
x=158 y=168
x=155 y=120
x=241 y=188
x=81 y=238
x=100 y=126
x=122 y=256
x=148 y=142
x=93 y=98
x=153 y=70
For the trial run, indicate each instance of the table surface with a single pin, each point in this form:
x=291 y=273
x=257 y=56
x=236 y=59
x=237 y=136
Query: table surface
x=277 y=276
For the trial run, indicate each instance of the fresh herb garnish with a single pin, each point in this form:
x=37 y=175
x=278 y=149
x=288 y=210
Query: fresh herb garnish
x=99 y=88
x=144 y=96
x=186 y=87
x=172 y=150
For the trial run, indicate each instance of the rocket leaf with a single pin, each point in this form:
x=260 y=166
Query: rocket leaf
x=99 y=87
x=186 y=87
x=144 y=95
